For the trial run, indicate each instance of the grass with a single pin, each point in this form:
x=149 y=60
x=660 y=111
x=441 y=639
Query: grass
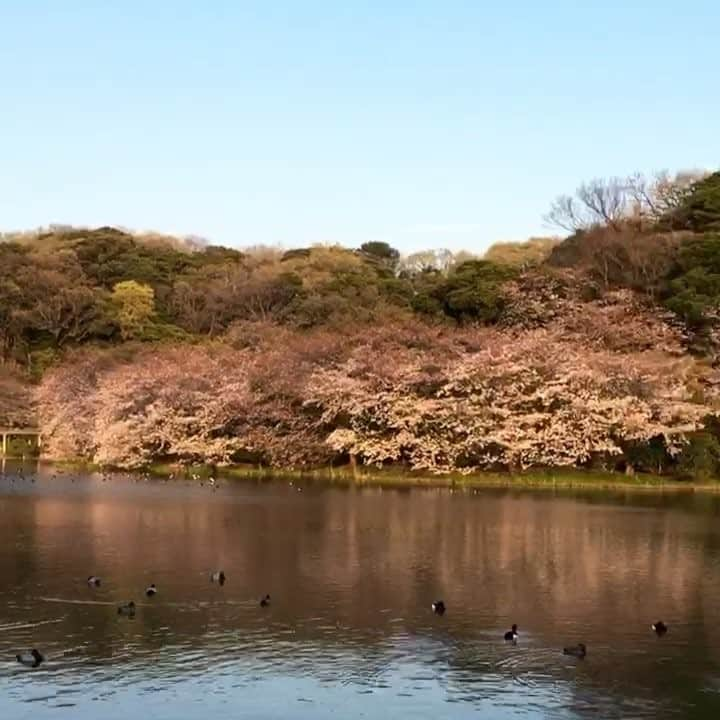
x=398 y=477
x=395 y=477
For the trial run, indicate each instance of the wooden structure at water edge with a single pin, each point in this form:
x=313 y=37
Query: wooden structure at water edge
x=32 y=437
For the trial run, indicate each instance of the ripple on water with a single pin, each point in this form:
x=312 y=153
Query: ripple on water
x=373 y=648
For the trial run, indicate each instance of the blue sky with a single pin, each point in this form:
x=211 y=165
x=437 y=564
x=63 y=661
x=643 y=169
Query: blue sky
x=424 y=124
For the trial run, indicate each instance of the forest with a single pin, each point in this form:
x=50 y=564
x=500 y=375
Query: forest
x=595 y=348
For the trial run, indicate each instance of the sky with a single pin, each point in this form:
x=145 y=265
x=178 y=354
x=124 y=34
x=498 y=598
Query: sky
x=451 y=123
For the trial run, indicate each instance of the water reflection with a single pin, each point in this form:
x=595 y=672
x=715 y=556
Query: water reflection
x=352 y=573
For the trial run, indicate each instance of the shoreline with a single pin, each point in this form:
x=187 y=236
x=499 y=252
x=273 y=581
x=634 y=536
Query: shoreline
x=537 y=480
x=397 y=478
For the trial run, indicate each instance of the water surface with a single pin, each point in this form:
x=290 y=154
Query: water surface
x=352 y=573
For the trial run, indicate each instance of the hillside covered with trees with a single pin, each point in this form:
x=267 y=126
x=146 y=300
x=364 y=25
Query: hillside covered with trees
x=599 y=349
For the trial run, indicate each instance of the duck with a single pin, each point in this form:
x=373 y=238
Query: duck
x=659 y=627
x=152 y=590
x=438 y=607
x=31 y=659
x=578 y=650
x=218 y=577
x=93 y=581
x=512 y=634
x=128 y=609
x=265 y=601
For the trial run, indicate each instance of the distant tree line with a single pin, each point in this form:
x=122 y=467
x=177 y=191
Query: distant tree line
x=68 y=287
x=433 y=360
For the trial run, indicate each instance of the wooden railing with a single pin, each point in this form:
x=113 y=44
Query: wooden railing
x=7 y=434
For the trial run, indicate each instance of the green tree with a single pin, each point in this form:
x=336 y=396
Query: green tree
x=473 y=291
x=700 y=458
x=331 y=285
x=700 y=209
x=381 y=251
x=428 y=292
x=135 y=308
x=109 y=256
x=57 y=304
x=13 y=258
x=694 y=287
x=10 y=329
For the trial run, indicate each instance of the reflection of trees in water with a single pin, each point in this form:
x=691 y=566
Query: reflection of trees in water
x=352 y=574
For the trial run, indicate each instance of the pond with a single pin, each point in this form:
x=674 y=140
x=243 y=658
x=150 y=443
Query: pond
x=352 y=573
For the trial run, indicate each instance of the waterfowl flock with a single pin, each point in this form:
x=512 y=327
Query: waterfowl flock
x=33 y=658
x=21 y=476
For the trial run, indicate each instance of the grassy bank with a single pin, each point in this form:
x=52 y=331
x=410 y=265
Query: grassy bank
x=394 y=477
x=399 y=478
